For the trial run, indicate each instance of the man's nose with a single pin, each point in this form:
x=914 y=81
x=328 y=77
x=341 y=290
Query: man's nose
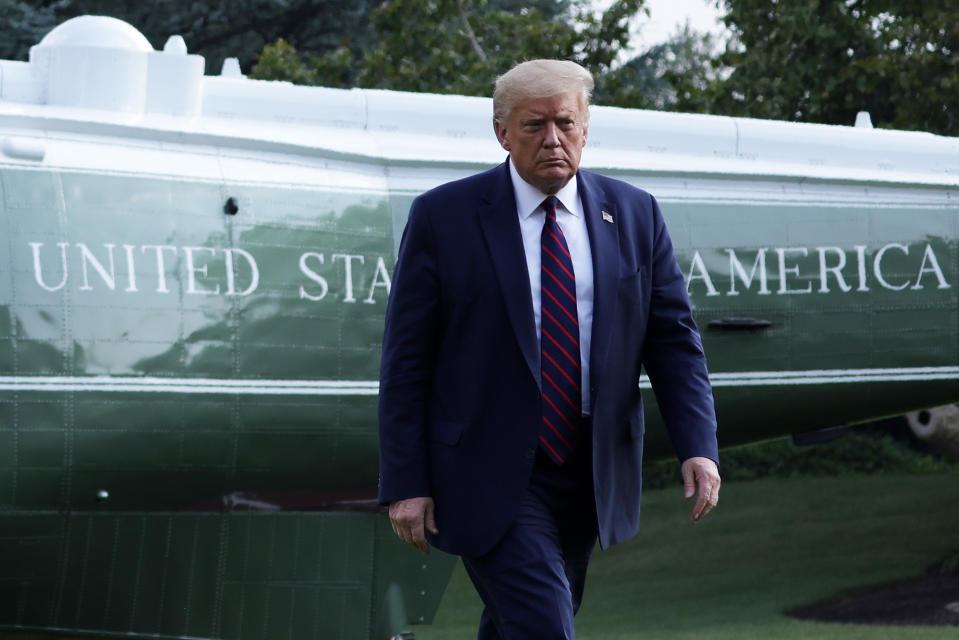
x=551 y=138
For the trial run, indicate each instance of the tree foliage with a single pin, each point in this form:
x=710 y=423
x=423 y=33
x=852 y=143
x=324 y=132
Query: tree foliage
x=662 y=74
x=22 y=25
x=460 y=46
x=454 y=46
x=216 y=30
x=825 y=60
x=917 y=68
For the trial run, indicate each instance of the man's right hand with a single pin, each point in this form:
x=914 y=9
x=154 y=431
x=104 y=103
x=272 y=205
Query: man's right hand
x=411 y=518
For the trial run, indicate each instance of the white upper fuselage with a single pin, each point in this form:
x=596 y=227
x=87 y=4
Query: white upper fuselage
x=96 y=81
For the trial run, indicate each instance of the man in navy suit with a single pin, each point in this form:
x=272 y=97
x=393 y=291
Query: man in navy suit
x=525 y=301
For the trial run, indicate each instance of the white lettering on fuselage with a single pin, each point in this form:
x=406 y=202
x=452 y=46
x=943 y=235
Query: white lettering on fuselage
x=893 y=267
x=231 y=272
x=201 y=271
x=736 y=269
x=314 y=276
x=698 y=271
x=348 y=268
x=351 y=278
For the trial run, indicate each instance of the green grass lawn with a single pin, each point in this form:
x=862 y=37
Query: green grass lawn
x=772 y=544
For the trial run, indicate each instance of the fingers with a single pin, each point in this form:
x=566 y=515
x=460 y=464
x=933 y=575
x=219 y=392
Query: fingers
x=707 y=500
x=701 y=473
x=411 y=518
x=689 y=481
x=703 y=506
x=431 y=520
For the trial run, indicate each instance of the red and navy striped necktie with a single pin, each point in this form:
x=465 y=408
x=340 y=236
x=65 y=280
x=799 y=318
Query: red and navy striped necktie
x=560 y=362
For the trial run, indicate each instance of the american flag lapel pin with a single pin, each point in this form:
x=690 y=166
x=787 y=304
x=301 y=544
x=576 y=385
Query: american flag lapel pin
x=607 y=217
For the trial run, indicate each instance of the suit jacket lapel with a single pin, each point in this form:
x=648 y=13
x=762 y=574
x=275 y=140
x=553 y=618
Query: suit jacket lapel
x=604 y=245
x=500 y=223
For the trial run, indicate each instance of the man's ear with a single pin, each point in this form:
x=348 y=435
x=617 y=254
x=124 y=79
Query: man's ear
x=501 y=135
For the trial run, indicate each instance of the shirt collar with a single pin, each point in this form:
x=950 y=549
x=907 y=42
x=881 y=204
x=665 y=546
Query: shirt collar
x=528 y=197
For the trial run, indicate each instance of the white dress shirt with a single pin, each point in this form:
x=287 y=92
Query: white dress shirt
x=570 y=217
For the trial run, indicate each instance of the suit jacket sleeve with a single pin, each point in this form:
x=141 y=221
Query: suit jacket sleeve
x=673 y=355
x=407 y=364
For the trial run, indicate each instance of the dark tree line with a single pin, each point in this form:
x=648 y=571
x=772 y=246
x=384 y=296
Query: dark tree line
x=824 y=60
x=214 y=29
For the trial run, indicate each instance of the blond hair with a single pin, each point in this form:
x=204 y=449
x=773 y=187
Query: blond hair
x=540 y=79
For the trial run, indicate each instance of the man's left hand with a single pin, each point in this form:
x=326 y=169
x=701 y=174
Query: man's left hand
x=704 y=474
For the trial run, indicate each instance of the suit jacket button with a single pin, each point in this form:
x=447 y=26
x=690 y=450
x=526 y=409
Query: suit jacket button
x=530 y=453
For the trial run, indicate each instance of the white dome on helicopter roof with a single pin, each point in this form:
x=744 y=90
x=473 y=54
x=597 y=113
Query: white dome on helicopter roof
x=97 y=31
x=98 y=62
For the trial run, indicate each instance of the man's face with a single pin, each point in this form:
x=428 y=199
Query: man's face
x=545 y=139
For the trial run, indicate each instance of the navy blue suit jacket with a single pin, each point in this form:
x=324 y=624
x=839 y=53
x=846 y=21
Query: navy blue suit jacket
x=460 y=403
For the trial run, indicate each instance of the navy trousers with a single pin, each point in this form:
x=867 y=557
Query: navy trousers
x=532 y=581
